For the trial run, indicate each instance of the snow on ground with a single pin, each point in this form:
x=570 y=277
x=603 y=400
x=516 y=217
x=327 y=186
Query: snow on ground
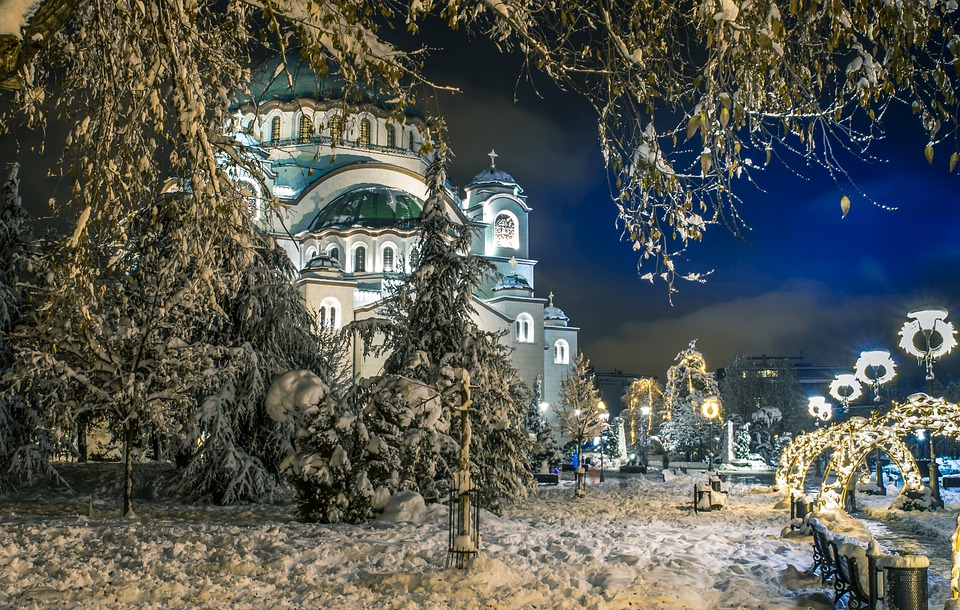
x=631 y=543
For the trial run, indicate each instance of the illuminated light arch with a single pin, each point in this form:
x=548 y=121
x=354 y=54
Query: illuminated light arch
x=791 y=453
x=923 y=412
x=808 y=448
x=850 y=454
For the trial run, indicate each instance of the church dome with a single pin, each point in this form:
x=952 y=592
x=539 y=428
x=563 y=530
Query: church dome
x=554 y=316
x=513 y=281
x=493 y=175
x=269 y=82
x=374 y=207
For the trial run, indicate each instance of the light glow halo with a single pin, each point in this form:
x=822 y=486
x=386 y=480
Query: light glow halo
x=874 y=360
x=711 y=407
x=846 y=380
x=933 y=320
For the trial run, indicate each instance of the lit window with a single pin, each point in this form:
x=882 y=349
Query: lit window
x=391 y=136
x=365 y=132
x=360 y=259
x=275 y=128
x=306 y=128
x=768 y=373
x=388 y=259
x=336 y=129
x=505 y=232
x=524 y=328
x=561 y=352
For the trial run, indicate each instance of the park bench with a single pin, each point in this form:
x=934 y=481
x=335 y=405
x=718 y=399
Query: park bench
x=544 y=478
x=849 y=582
x=823 y=559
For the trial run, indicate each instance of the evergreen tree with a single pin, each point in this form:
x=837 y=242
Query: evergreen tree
x=611 y=440
x=741 y=442
x=545 y=451
x=686 y=430
x=409 y=414
x=645 y=392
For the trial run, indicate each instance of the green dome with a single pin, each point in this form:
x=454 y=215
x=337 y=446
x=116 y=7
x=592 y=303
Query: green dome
x=269 y=82
x=374 y=207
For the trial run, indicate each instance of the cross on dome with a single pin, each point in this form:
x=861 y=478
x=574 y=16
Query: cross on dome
x=493 y=157
x=513 y=263
x=550 y=296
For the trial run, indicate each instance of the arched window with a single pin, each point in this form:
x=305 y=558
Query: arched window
x=334 y=253
x=524 y=328
x=561 y=352
x=308 y=256
x=389 y=259
x=329 y=316
x=391 y=136
x=336 y=129
x=306 y=128
x=365 y=132
x=505 y=231
x=275 y=128
x=360 y=259
x=412 y=142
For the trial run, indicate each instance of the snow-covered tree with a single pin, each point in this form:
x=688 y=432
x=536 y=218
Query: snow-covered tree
x=753 y=384
x=643 y=393
x=545 y=449
x=686 y=430
x=741 y=442
x=692 y=100
x=611 y=440
x=579 y=414
x=407 y=414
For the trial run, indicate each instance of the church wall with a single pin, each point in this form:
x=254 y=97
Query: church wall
x=494 y=207
x=554 y=374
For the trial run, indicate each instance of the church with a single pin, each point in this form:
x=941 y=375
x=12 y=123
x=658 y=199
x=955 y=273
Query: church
x=350 y=179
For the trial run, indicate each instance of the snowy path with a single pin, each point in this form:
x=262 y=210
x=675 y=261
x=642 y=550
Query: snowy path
x=628 y=544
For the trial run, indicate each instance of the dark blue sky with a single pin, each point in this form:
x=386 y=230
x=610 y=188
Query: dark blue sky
x=802 y=280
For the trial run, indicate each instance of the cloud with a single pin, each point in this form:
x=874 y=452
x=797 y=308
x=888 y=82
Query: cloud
x=802 y=319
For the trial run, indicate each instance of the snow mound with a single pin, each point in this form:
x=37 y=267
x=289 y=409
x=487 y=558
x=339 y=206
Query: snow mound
x=292 y=392
x=409 y=507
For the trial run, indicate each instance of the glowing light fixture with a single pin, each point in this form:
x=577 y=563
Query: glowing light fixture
x=868 y=370
x=848 y=382
x=710 y=407
x=938 y=336
x=819 y=407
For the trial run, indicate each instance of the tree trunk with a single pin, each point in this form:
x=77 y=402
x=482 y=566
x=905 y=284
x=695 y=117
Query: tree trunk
x=83 y=451
x=128 y=472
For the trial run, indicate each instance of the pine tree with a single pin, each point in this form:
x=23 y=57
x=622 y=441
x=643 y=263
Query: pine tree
x=611 y=441
x=687 y=431
x=545 y=451
x=409 y=413
x=741 y=442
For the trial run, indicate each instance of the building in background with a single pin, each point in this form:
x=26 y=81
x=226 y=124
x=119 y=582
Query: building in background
x=350 y=178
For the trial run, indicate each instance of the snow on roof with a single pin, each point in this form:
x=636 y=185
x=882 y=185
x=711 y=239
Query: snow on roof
x=14 y=15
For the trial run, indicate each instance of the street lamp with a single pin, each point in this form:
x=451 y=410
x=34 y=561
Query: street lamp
x=580 y=471
x=819 y=408
x=710 y=409
x=603 y=416
x=645 y=412
x=875 y=368
x=845 y=387
x=928 y=336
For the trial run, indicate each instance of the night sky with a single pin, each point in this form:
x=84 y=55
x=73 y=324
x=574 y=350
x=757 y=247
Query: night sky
x=802 y=281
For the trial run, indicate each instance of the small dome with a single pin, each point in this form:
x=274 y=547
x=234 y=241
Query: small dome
x=493 y=175
x=554 y=313
x=322 y=262
x=554 y=316
x=513 y=282
x=375 y=207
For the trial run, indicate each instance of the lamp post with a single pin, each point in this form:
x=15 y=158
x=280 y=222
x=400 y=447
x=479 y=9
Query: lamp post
x=580 y=471
x=645 y=412
x=603 y=416
x=710 y=409
x=819 y=408
x=875 y=368
x=928 y=336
